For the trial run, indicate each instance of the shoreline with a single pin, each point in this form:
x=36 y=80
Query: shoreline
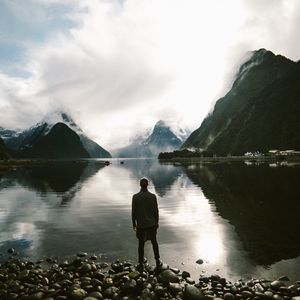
x=87 y=277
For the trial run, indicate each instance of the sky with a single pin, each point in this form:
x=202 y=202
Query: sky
x=117 y=67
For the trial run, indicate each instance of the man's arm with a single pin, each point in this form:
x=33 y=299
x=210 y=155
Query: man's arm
x=133 y=213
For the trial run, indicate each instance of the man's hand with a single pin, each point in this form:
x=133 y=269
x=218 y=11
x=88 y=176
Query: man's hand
x=134 y=228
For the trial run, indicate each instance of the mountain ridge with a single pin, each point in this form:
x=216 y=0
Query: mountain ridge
x=249 y=117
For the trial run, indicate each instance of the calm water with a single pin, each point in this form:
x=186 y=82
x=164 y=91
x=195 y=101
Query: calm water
x=242 y=220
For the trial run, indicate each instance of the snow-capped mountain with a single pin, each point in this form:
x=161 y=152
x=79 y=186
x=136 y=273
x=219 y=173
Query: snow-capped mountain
x=161 y=139
x=26 y=139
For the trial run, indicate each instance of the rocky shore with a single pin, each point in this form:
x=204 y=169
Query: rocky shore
x=87 y=278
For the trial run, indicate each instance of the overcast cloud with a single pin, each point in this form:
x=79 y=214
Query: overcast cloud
x=119 y=66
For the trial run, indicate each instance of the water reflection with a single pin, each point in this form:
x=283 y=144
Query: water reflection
x=237 y=218
x=262 y=203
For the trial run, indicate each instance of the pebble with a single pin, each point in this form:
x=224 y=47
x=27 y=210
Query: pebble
x=84 y=279
x=199 y=261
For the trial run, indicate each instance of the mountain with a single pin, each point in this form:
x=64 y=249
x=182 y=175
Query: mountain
x=259 y=113
x=61 y=142
x=3 y=150
x=162 y=138
x=21 y=140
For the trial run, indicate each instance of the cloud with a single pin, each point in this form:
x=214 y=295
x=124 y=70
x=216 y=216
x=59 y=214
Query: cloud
x=121 y=66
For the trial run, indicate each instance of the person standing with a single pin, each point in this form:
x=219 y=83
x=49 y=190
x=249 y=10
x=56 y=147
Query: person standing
x=145 y=217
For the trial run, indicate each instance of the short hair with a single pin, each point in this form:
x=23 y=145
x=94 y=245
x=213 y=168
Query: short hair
x=144 y=181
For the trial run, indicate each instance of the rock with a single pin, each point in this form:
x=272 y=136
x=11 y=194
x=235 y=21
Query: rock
x=103 y=265
x=174 y=288
x=229 y=296
x=82 y=254
x=259 y=288
x=90 y=298
x=23 y=274
x=96 y=295
x=277 y=297
x=129 y=287
x=134 y=275
x=275 y=285
x=189 y=280
x=185 y=274
x=284 y=278
x=45 y=281
x=175 y=270
x=85 y=268
x=36 y=296
x=192 y=293
x=296 y=298
x=247 y=294
x=109 y=292
x=94 y=257
x=199 y=261
x=159 y=291
x=168 y=276
x=11 y=251
x=146 y=294
x=215 y=277
x=268 y=294
x=78 y=294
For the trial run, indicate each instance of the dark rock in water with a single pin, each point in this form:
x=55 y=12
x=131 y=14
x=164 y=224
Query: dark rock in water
x=82 y=254
x=168 y=276
x=200 y=261
x=284 y=278
x=277 y=297
x=192 y=293
x=268 y=294
x=185 y=274
x=11 y=251
x=134 y=274
x=215 y=277
x=247 y=294
x=109 y=292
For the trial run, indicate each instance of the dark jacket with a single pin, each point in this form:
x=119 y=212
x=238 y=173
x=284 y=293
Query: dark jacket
x=144 y=210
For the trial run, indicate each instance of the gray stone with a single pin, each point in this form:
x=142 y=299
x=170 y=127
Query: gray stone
x=275 y=285
x=96 y=295
x=189 y=280
x=269 y=294
x=159 y=291
x=81 y=254
x=247 y=294
x=90 y=298
x=200 y=261
x=284 y=278
x=78 y=294
x=192 y=293
x=229 y=296
x=36 y=296
x=129 y=286
x=168 y=276
x=174 y=288
x=146 y=294
x=259 y=288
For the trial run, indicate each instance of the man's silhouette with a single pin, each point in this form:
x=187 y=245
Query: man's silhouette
x=144 y=212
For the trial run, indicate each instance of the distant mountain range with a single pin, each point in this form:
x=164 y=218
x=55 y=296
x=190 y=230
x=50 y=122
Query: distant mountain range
x=56 y=136
x=259 y=113
x=162 y=138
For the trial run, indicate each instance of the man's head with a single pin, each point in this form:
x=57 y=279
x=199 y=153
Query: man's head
x=144 y=183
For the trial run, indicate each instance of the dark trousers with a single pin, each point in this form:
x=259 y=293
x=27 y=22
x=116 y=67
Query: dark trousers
x=147 y=234
x=141 y=249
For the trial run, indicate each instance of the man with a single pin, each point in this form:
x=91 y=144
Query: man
x=144 y=213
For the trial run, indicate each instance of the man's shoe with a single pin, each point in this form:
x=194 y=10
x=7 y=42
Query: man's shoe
x=158 y=263
x=140 y=267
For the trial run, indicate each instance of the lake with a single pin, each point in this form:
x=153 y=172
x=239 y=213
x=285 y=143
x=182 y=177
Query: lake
x=241 y=219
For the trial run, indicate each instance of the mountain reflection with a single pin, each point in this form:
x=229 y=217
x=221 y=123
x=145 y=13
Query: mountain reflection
x=62 y=178
x=161 y=177
x=262 y=203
